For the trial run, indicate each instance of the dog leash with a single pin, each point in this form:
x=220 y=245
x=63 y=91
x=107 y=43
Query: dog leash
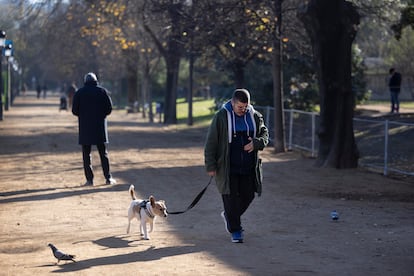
x=195 y=201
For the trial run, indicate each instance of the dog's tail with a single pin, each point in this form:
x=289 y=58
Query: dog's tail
x=132 y=192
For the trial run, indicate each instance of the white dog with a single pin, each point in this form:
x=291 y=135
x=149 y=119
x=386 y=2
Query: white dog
x=145 y=211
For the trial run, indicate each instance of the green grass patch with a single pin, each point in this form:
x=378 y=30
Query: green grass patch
x=403 y=104
x=202 y=111
x=407 y=104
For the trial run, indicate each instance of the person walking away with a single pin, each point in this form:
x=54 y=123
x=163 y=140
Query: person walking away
x=394 y=85
x=63 y=102
x=38 y=90
x=71 y=91
x=92 y=104
x=236 y=134
x=44 y=91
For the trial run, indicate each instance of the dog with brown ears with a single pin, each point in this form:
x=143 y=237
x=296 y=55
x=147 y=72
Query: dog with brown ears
x=145 y=211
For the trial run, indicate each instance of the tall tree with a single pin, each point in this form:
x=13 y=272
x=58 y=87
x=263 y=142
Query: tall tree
x=406 y=19
x=239 y=31
x=279 y=132
x=332 y=26
x=168 y=39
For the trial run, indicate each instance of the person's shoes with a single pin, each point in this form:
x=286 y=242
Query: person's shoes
x=110 y=181
x=88 y=183
x=226 y=224
x=237 y=237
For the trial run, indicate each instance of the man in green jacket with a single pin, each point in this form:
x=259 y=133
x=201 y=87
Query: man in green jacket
x=236 y=134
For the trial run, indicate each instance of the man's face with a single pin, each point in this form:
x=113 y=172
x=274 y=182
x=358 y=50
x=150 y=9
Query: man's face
x=239 y=108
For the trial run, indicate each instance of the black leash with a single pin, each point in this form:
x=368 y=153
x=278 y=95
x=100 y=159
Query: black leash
x=195 y=201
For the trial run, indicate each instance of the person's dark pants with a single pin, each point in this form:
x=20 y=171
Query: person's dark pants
x=395 y=102
x=87 y=161
x=242 y=191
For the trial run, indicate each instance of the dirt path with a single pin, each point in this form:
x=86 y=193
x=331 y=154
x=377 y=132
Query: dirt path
x=288 y=230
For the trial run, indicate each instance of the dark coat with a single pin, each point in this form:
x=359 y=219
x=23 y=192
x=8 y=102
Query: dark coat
x=395 y=82
x=92 y=104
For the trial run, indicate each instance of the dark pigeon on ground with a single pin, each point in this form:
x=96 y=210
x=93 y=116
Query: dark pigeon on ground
x=59 y=255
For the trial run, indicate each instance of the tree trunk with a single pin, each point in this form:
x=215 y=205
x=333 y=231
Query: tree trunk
x=190 y=88
x=170 y=104
x=145 y=89
x=279 y=130
x=332 y=26
x=132 y=86
x=172 y=59
x=172 y=54
x=132 y=77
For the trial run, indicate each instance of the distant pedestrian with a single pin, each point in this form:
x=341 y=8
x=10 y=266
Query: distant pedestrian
x=63 y=102
x=394 y=85
x=71 y=92
x=38 y=90
x=44 y=91
x=24 y=89
x=236 y=134
x=92 y=104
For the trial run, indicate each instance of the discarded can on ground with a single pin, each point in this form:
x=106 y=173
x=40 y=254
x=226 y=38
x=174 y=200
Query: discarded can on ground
x=334 y=215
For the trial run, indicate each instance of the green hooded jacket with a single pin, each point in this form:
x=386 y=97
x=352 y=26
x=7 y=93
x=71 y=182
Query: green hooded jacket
x=216 y=150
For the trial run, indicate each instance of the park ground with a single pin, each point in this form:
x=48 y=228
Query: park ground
x=288 y=230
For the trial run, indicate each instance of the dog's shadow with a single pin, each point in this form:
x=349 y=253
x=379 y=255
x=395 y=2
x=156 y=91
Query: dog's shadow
x=113 y=242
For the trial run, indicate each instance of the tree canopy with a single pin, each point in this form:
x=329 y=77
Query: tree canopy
x=139 y=48
x=54 y=39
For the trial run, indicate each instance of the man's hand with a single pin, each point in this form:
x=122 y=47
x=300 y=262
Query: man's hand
x=212 y=173
x=249 y=147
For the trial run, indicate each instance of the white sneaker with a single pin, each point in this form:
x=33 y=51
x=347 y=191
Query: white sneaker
x=226 y=224
x=110 y=181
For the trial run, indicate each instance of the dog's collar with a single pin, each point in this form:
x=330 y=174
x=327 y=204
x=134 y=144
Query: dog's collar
x=146 y=208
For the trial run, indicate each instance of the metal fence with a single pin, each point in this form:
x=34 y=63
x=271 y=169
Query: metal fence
x=384 y=145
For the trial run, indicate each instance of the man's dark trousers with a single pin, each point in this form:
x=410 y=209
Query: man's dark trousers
x=87 y=161
x=236 y=203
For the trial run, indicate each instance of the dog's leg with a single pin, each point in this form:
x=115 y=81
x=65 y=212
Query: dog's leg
x=141 y=229
x=144 y=231
x=130 y=217
x=141 y=222
x=129 y=220
x=151 y=223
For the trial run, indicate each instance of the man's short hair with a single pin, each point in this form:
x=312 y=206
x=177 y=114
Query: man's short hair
x=241 y=95
x=90 y=77
x=392 y=70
